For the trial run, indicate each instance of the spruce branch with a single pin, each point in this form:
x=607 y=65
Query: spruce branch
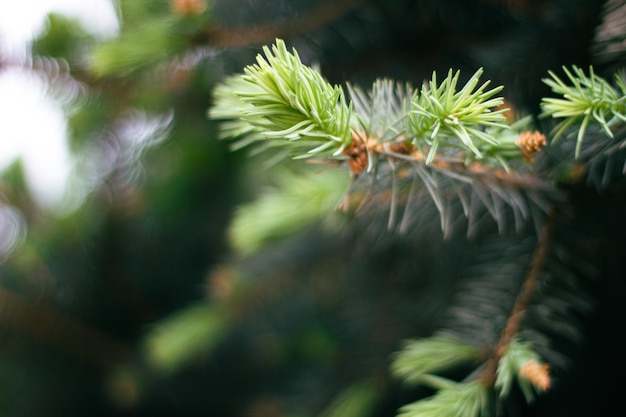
x=446 y=144
x=382 y=111
x=461 y=196
x=590 y=99
x=523 y=299
x=443 y=133
x=468 y=399
x=288 y=103
x=441 y=113
x=510 y=360
x=280 y=101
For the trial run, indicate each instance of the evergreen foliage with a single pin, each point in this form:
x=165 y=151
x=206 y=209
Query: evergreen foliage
x=286 y=101
x=588 y=98
x=437 y=117
x=440 y=108
x=425 y=220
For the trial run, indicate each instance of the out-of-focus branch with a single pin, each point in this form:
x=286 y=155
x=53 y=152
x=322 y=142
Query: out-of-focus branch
x=54 y=329
x=260 y=34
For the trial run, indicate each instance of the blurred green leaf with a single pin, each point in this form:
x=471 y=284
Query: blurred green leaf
x=420 y=358
x=152 y=33
x=184 y=336
x=357 y=400
x=297 y=202
x=469 y=399
x=142 y=47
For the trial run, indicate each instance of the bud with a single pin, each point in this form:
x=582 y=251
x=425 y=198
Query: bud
x=357 y=155
x=537 y=374
x=188 y=7
x=530 y=143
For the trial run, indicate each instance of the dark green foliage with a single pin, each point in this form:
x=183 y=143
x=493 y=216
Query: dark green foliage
x=310 y=320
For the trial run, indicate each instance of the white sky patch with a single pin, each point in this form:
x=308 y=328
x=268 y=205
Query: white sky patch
x=33 y=128
x=32 y=125
x=21 y=21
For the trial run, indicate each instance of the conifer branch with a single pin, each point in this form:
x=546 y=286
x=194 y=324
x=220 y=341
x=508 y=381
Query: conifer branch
x=523 y=299
x=284 y=101
x=420 y=360
x=468 y=399
x=590 y=99
x=281 y=101
x=460 y=115
x=443 y=132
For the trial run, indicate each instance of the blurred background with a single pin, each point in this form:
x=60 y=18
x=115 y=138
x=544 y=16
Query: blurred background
x=140 y=274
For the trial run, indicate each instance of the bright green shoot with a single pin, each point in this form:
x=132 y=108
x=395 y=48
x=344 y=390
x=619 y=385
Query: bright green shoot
x=468 y=399
x=281 y=102
x=289 y=103
x=589 y=99
x=442 y=116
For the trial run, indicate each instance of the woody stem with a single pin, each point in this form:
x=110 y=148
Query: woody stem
x=523 y=299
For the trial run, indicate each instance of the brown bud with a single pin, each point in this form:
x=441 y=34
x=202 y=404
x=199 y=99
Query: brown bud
x=402 y=148
x=189 y=7
x=357 y=155
x=530 y=143
x=537 y=374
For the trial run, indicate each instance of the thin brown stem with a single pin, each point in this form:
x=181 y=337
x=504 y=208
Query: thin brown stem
x=328 y=12
x=524 y=298
x=48 y=326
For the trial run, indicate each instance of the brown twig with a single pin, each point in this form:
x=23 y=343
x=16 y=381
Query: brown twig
x=47 y=325
x=256 y=35
x=523 y=299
